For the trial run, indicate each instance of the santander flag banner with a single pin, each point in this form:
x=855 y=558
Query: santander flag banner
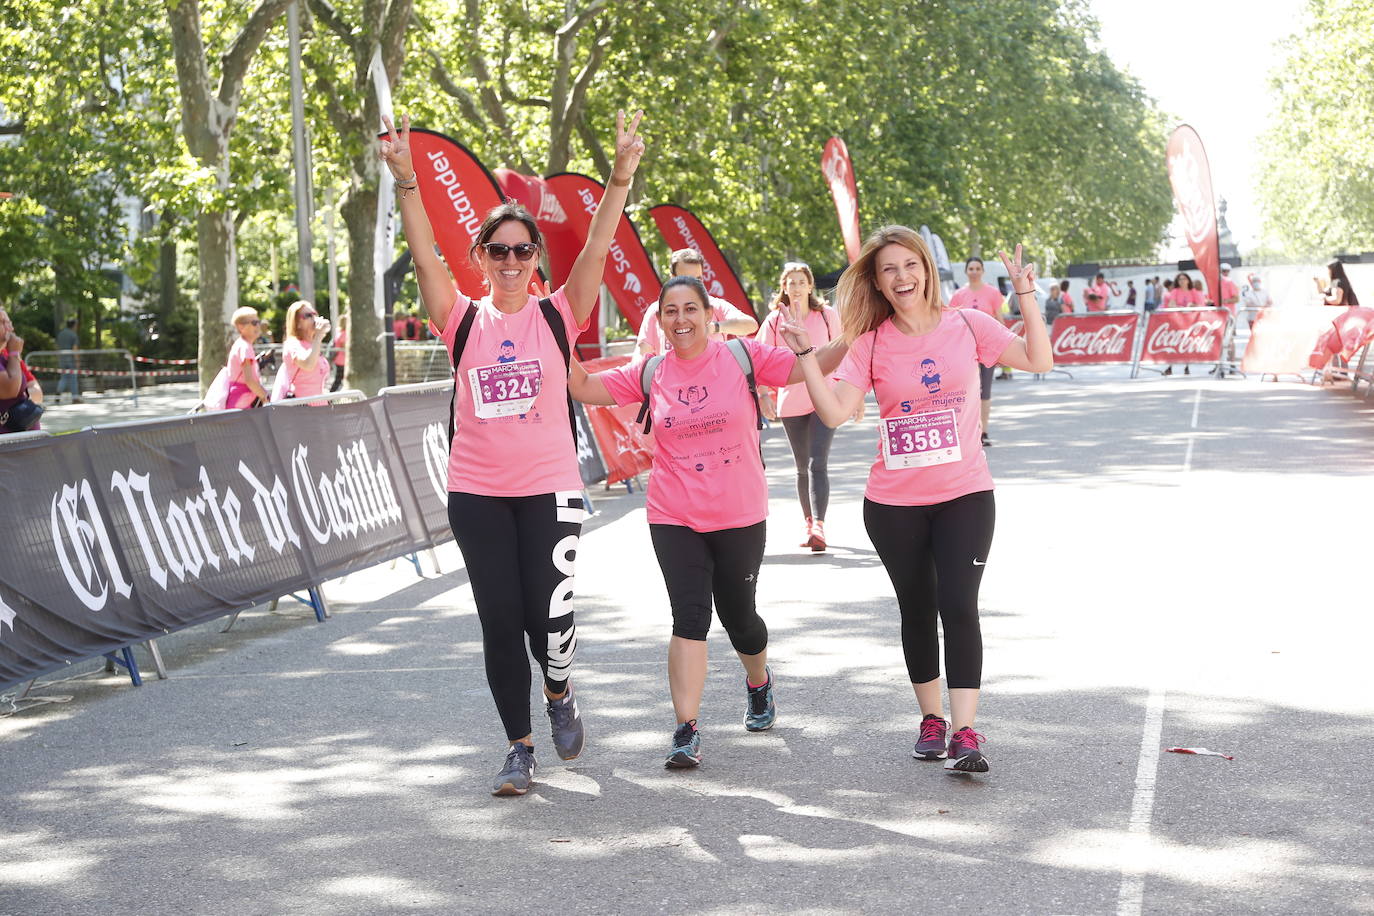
x=1184 y=336
x=839 y=174
x=1191 y=179
x=630 y=274
x=1094 y=338
x=457 y=192
x=680 y=229
x=562 y=239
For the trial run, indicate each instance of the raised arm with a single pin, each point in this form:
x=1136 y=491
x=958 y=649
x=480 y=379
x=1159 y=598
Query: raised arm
x=834 y=404
x=588 y=388
x=584 y=280
x=436 y=285
x=736 y=320
x=1030 y=352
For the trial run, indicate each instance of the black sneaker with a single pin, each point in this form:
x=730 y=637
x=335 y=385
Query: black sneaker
x=686 y=751
x=986 y=440
x=964 y=753
x=517 y=775
x=761 y=712
x=932 y=743
x=568 y=732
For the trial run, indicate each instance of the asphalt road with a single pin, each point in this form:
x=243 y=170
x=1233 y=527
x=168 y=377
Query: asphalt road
x=1177 y=562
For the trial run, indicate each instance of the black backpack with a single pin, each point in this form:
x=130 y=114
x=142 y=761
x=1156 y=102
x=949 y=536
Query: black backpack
x=460 y=342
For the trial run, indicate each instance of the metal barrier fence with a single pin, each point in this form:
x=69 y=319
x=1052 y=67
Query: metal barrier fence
x=84 y=372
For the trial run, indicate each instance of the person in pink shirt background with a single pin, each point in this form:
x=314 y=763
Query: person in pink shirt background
x=987 y=299
x=515 y=493
x=808 y=437
x=1065 y=297
x=1099 y=294
x=245 y=386
x=928 y=506
x=725 y=317
x=1184 y=294
x=707 y=498
x=303 y=364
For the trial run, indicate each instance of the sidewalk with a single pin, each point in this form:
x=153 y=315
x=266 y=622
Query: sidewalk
x=1150 y=571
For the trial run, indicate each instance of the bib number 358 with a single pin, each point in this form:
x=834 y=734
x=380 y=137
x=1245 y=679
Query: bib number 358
x=920 y=440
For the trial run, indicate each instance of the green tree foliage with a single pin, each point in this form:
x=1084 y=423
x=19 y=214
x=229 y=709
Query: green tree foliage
x=1316 y=177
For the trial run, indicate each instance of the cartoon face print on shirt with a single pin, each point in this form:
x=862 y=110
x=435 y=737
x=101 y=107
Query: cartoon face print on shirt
x=507 y=352
x=693 y=396
x=930 y=376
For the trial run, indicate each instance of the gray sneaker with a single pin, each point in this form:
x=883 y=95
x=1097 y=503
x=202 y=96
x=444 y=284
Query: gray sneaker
x=517 y=775
x=568 y=732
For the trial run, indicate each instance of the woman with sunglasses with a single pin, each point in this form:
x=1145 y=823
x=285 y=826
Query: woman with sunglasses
x=303 y=365
x=245 y=386
x=708 y=497
x=809 y=438
x=928 y=506
x=515 y=493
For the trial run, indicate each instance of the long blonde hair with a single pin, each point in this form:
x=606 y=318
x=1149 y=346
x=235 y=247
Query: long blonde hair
x=293 y=313
x=862 y=307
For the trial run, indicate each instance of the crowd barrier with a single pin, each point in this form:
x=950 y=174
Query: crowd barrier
x=1164 y=337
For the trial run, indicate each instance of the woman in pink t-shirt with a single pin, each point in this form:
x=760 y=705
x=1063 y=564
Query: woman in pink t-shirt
x=809 y=438
x=245 y=386
x=303 y=365
x=928 y=506
x=515 y=492
x=988 y=300
x=707 y=497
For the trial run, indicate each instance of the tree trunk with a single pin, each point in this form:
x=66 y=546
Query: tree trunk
x=219 y=290
x=167 y=276
x=366 y=369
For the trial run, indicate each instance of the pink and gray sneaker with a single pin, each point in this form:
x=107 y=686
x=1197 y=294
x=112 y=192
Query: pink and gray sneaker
x=931 y=744
x=965 y=755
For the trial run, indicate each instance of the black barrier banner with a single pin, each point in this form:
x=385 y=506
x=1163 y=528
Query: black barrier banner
x=118 y=535
x=589 y=463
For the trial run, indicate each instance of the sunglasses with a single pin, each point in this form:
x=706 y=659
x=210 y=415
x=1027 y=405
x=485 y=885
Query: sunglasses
x=308 y=315
x=497 y=251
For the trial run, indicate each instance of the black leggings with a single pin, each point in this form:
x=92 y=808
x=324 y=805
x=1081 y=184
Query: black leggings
x=519 y=552
x=338 y=378
x=935 y=557
x=697 y=565
x=810 y=440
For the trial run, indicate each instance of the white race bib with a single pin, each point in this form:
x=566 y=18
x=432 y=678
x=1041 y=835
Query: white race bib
x=504 y=389
x=920 y=440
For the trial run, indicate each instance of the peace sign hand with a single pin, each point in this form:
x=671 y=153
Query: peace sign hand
x=395 y=150
x=629 y=146
x=1022 y=278
x=792 y=328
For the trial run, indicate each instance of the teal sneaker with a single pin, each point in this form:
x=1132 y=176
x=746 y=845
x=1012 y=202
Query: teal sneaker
x=762 y=711
x=686 y=752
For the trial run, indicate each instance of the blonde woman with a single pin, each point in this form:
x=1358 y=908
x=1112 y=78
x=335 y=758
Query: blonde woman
x=245 y=387
x=928 y=506
x=303 y=365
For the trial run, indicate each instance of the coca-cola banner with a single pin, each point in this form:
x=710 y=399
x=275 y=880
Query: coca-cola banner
x=1092 y=338
x=1184 y=336
x=680 y=229
x=839 y=175
x=457 y=192
x=1191 y=178
x=630 y=274
x=122 y=534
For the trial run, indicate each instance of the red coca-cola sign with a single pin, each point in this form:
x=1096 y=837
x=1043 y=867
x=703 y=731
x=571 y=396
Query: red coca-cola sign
x=1093 y=338
x=1184 y=336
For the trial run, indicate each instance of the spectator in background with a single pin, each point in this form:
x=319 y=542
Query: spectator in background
x=1152 y=294
x=1130 y=295
x=398 y=325
x=1337 y=289
x=1230 y=294
x=1066 y=297
x=1099 y=293
x=1055 y=304
x=725 y=318
x=981 y=297
x=69 y=381
x=1256 y=300
x=303 y=364
x=245 y=385
x=340 y=348
x=1184 y=294
x=16 y=381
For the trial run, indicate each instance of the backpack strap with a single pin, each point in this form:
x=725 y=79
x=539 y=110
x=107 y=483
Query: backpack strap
x=646 y=378
x=560 y=334
x=460 y=342
x=746 y=365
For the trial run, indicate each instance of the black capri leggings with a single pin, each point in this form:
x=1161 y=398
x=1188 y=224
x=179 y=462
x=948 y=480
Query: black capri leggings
x=698 y=565
x=810 y=440
x=935 y=557
x=519 y=552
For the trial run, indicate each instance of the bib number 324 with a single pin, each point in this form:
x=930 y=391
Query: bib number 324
x=505 y=388
x=920 y=440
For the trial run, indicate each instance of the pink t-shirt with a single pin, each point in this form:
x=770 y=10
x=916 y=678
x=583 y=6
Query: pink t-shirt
x=1184 y=298
x=302 y=383
x=1068 y=301
x=823 y=326
x=707 y=475
x=1229 y=290
x=985 y=299
x=1098 y=305
x=927 y=376
x=650 y=333
x=522 y=446
x=241 y=355
x=340 y=342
